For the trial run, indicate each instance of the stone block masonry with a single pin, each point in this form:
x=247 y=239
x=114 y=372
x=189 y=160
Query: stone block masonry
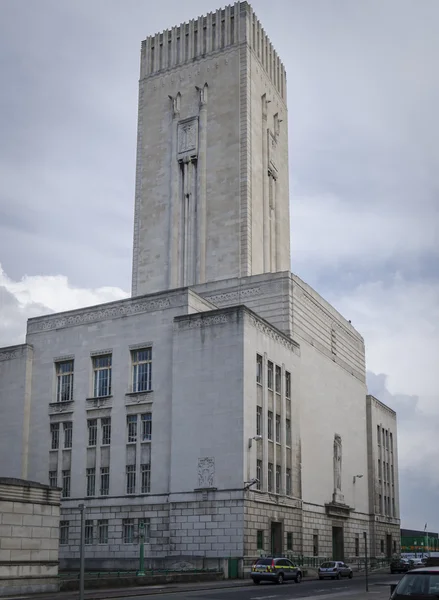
x=29 y=532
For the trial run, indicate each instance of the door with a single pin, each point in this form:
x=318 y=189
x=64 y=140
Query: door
x=276 y=539
x=337 y=543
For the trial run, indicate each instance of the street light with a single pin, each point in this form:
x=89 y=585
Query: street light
x=357 y=477
x=257 y=438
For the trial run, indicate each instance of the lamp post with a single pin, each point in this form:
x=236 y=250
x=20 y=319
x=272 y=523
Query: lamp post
x=365 y=556
x=141 y=570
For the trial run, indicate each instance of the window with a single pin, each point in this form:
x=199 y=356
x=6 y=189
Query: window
x=105 y=481
x=132 y=429
x=259 y=369
x=128 y=531
x=68 y=434
x=258 y=474
x=89 y=532
x=391 y=442
x=287 y=384
x=382 y=545
x=142 y=369
x=270 y=425
x=53 y=478
x=103 y=531
x=378 y=435
x=106 y=431
x=102 y=376
x=92 y=427
x=393 y=508
x=145 y=474
x=394 y=546
x=278 y=380
x=288 y=431
x=64 y=381
x=63 y=533
x=146 y=427
x=277 y=479
x=387 y=439
x=315 y=544
x=145 y=524
x=388 y=472
x=260 y=539
x=357 y=546
x=278 y=429
x=66 y=484
x=380 y=504
x=270 y=477
x=393 y=476
x=54 y=433
x=379 y=469
x=289 y=541
x=270 y=375
x=258 y=420
x=131 y=479
x=91 y=481
x=288 y=482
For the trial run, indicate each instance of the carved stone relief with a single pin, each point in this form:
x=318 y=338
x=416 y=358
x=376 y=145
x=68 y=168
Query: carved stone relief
x=187 y=136
x=206 y=472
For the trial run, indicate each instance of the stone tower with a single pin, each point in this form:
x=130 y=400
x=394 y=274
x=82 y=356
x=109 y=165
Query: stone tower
x=212 y=197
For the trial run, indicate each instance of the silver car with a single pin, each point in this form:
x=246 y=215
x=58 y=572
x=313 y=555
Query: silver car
x=334 y=570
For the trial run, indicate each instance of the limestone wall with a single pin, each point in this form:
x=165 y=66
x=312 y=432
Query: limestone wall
x=29 y=536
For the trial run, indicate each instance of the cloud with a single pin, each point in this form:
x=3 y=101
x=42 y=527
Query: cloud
x=37 y=295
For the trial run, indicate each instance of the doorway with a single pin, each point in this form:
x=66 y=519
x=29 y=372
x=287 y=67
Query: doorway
x=389 y=546
x=337 y=543
x=276 y=539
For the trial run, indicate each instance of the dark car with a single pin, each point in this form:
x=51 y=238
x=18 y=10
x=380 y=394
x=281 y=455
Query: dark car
x=276 y=570
x=400 y=565
x=334 y=569
x=418 y=584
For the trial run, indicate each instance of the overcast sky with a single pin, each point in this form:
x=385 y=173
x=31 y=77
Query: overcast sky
x=363 y=92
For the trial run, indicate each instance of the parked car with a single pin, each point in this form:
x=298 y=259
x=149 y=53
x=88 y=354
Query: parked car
x=335 y=570
x=417 y=584
x=276 y=570
x=400 y=565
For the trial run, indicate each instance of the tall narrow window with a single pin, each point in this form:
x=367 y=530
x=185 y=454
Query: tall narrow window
x=379 y=469
x=53 y=478
x=63 y=533
x=131 y=479
x=270 y=477
x=259 y=369
x=278 y=382
x=91 y=481
x=288 y=432
x=128 y=531
x=260 y=539
x=278 y=429
x=106 y=431
x=92 y=426
x=258 y=420
x=393 y=476
x=391 y=442
x=64 y=383
x=259 y=474
x=387 y=439
x=105 y=481
x=142 y=370
x=66 y=483
x=68 y=434
x=289 y=541
x=152 y=56
x=145 y=474
x=146 y=427
x=270 y=375
x=357 y=546
x=288 y=482
x=132 y=429
x=213 y=36
x=89 y=532
x=103 y=531
x=380 y=504
x=277 y=479
x=315 y=544
x=232 y=30
x=102 y=376
x=393 y=508
x=54 y=434
x=378 y=435
x=287 y=384
x=270 y=425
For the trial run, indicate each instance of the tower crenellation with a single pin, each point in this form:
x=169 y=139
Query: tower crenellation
x=233 y=25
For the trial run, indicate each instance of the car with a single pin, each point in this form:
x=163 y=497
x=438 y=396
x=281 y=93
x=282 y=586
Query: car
x=334 y=569
x=400 y=565
x=418 y=584
x=276 y=570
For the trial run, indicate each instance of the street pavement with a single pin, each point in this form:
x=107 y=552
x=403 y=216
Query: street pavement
x=311 y=589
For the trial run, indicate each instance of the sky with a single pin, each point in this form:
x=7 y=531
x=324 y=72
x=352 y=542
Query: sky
x=363 y=92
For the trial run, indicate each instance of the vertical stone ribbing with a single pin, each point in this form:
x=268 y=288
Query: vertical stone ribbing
x=139 y=177
x=245 y=162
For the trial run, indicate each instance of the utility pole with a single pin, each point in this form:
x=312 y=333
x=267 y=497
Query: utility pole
x=141 y=549
x=365 y=556
x=82 y=553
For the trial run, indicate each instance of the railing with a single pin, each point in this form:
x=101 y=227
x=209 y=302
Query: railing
x=148 y=572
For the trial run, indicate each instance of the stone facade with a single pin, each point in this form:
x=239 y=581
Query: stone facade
x=29 y=531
